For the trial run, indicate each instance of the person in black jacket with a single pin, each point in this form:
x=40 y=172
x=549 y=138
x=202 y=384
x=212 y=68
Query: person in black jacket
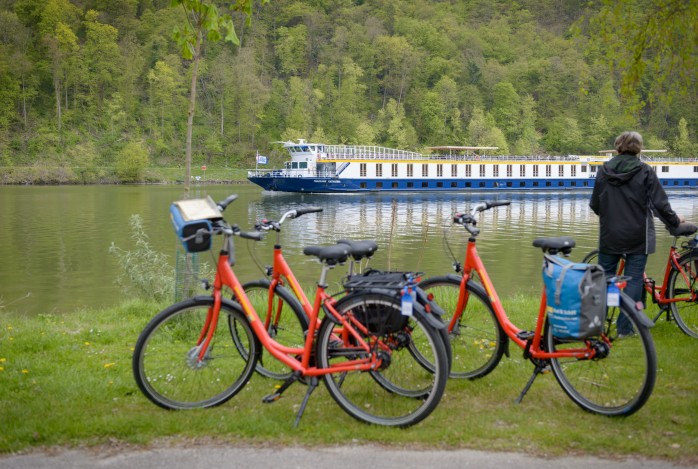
x=626 y=196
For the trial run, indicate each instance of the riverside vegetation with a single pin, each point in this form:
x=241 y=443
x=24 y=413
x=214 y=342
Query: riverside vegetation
x=94 y=91
x=66 y=380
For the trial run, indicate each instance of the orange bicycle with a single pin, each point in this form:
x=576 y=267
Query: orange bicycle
x=677 y=296
x=189 y=357
x=603 y=373
x=285 y=307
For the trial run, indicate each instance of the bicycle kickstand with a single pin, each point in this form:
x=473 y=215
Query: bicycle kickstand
x=275 y=396
x=311 y=387
x=541 y=367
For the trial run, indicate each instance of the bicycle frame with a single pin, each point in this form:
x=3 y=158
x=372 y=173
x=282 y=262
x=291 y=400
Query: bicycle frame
x=225 y=277
x=659 y=292
x=473 y=263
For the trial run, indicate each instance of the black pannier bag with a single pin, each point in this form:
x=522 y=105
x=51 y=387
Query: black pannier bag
x=378 y=317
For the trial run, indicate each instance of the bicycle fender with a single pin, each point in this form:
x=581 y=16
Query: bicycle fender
x=418 y=309
x=636 y=312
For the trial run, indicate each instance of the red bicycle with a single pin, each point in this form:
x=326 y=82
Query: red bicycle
x=603 y=373
x=202 y=351
x=677 y=295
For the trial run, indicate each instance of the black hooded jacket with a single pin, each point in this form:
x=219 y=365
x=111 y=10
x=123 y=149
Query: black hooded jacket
x=626 y=194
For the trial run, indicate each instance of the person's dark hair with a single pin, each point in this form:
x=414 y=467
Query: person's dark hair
x=629 y=142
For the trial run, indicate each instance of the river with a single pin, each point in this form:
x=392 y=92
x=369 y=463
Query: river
x=54 y=240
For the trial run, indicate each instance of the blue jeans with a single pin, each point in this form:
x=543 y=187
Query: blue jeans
x=634 y=268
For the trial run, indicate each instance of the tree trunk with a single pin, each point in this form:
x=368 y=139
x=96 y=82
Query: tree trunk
x=190 y=120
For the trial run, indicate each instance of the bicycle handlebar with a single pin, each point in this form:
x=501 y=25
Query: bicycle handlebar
x=266 y=225
x=469 y=221
x=222 y=205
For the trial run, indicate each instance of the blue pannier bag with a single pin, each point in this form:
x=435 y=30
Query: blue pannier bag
x=576 y=297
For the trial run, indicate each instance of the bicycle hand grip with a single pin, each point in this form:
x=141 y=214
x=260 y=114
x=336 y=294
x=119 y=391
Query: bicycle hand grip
x=496 y=203
x=254 y=235
x=228 y=200
x=304 y=210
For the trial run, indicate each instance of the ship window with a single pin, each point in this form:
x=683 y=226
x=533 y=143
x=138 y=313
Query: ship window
x=454 y=184
x=584 y=168
x=439 y=170
x=439 y=184
x=379 y=185
x=535 y=171
x=467 y=184
x=394 y=185
x=548 y=183
x=509 y=170
x=410 y=184
x=425 y=170
x=522 y=170
x=482 y=170
x=425 y=184
x=468 y=170
x=482 y=184
x=410 y=170
x=573 y=170
x=495 y=170
x=665 y=169
x=535 y=183
x=522 y=184
x=509 y=184
x=303 y=165
x=393 y=170
x=695 y=169
x=454 y=170
x=379 y=170
x=593 y=169
x=362 y=170
x=548 y=170
x=362 y=185
x=561 y=170
x=574 y=183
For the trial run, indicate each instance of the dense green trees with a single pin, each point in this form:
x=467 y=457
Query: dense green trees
x=81 y=80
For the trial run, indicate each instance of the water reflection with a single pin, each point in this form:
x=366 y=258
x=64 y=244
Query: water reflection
x=54 y=240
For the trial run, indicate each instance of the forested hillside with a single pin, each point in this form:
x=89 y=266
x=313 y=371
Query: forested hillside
x=102 y=83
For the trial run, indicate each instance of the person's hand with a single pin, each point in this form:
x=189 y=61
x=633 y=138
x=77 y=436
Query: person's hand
x=682 y=219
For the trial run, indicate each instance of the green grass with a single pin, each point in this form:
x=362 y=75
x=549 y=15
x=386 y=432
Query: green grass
x=66 y=380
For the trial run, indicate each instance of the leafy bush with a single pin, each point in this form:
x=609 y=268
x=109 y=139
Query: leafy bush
x=131 y=162
x=145 y=272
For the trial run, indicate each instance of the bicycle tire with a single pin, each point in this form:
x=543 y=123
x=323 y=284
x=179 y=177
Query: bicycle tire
x=477 y=339
x=683 y=285
x=287 y=327
x=592 y=257
x=165 y=360
x=617 y=384
x=401 y=394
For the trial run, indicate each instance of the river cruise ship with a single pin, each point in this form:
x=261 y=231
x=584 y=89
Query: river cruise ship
x=318 y=167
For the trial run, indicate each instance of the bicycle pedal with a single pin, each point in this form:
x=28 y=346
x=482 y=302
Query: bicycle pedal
x=271 y=398
x=525 y=335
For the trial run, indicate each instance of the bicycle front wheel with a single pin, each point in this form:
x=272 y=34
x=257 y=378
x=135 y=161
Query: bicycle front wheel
x=404 y=391
x=682 y=286
x=285 y=320
x=167 y=364
x=620 y=379
x=477 y=339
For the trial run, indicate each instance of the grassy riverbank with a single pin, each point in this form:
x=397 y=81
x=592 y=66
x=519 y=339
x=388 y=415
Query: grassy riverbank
x=52 y=175
x=66 y=380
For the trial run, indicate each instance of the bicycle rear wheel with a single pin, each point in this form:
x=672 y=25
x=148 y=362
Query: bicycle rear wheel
x=620 y=379
x=286 y=323
x=682 y=285
x=477 y=340
x=166 y=362
x=404 y=391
